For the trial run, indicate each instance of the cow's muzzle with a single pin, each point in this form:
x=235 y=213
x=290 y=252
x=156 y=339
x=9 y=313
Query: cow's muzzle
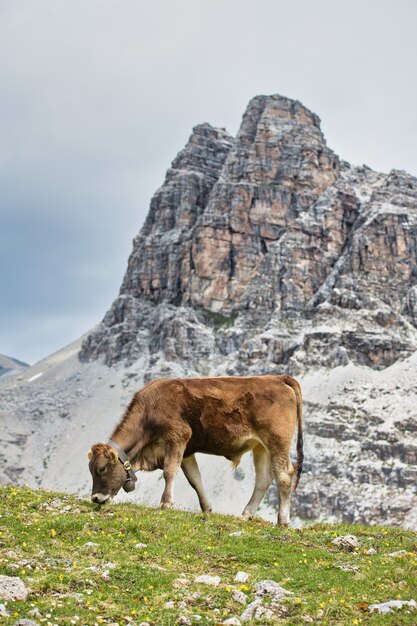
x=100 y=498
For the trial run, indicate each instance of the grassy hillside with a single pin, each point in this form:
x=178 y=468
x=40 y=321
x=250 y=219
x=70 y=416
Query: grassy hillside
x=85 y=565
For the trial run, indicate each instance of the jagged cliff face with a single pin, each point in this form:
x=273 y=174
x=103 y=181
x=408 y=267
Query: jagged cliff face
x=266 y=253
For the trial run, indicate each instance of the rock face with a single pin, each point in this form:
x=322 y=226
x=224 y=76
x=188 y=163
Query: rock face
x=263 y=253
x=267 y=253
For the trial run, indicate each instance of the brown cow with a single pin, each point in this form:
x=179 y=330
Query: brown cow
x=169 y=420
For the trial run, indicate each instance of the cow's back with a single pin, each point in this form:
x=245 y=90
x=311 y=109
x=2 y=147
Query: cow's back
x=230 y=415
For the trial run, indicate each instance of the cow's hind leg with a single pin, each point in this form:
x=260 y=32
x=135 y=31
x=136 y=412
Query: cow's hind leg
x=262 y=480
x=192 y=473
x=283 y=472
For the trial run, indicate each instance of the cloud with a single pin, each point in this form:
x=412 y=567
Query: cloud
x=37 y=336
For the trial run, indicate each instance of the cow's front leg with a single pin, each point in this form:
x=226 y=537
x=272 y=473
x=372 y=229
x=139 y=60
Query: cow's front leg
x=192 y=473
x=172 y=462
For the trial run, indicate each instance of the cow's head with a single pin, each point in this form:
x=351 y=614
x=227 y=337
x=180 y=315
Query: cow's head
x=108 y=474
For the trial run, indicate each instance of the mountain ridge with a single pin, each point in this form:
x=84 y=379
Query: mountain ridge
x=9 y=365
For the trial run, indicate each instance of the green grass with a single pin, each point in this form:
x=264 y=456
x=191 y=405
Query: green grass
x=115 y=582
x=217 y=320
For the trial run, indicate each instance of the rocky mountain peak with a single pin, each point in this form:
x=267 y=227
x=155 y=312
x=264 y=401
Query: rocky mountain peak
x=203 y=151
x=274 y=131
x=269 y=253
x=174 y=211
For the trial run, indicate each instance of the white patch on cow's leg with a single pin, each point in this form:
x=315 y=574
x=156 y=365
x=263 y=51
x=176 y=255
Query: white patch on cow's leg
x=262 y=481
x=283 y=472
x=284 y=507
x=192 y=473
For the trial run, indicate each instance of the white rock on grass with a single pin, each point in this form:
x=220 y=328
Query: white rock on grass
x=237 y=533
x=263 y=613
x=56 y=503
x=170 y=604
x=178 y=583
x=26 y=622
x=271 y=589
x=392 y=606
x=141 y=546
x=205 y=579
x=256 y=610
x=398 y=553
x=3 y=611
x=348 y=567
x=12 y=588
x=249 y=612
x=346 y=542
x=239 y=596
x=232 y=621
x=264 y=589
x=241 y=577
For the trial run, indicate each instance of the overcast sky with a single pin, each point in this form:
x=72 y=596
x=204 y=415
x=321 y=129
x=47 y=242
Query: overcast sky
x=98 y=96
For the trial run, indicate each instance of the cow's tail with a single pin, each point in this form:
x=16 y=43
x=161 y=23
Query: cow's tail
x=291 y=382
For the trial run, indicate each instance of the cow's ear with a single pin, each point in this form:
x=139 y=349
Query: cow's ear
x=114 y=457
x=90 y=454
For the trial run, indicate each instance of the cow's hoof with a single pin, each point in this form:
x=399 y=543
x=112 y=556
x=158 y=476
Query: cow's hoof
x=165 y=505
